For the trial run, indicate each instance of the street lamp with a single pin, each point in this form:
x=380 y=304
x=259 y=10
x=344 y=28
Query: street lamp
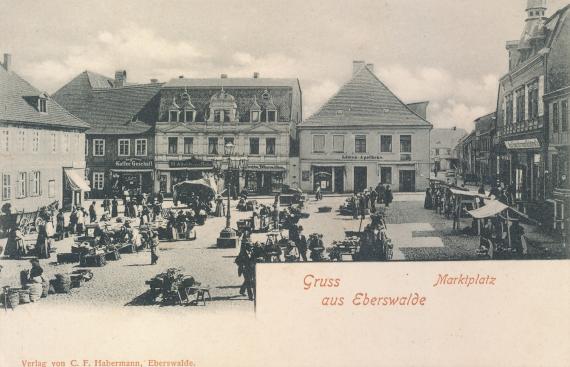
x=228 y=236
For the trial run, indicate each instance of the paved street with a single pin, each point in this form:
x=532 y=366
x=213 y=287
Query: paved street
x=417 y=234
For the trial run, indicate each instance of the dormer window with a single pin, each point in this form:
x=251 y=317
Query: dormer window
x=270 y=110
x=223 y=108
x=255 y=111
x=42 y=103
x=188 y=109
x=189 y=115
x=254 y=116
x=173 y=116
x=271 y=116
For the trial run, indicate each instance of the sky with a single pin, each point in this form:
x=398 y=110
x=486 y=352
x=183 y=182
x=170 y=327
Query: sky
x=449 y=52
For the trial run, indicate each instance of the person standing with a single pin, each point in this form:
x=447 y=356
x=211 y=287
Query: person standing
x=246 y=267
x=388 y=197
x=154 y=241
x=362 y=205
x=60 y=226
x=301 y=243
x=114 y=208
x=80 y=221
x=92 y=213
x=380 y=191
x=373 y=198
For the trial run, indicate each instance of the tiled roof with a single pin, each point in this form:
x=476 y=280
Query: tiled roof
x=111 y=110
x=446 y=138
x=365 y=100
x=18 y=103
x=230 y=82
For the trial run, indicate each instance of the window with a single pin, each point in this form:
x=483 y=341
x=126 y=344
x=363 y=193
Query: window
x=555 y=117
x=253 y=145
x=140 y=147
x=338 y=143
x=318 y=143
x=42 y=104
x=98 y=147
x=564 y=112
x=228 y=140
x=66 y=143
x=226 y=115
x=218 y=116
x=188 y=145
x=188 y=115
x=124 y=147
x=360 y=143
x=35 y=141
x=255 y=116
x=22 y=140
x=22 y=185
x=509 y=108
x=6 y=187
x=212 y=145
x=386 y=175
x=270 y=146
x=520 y=105
x=173 y=145
x=173 y=116
x=4 y=141
x=35 y=183
x=533 y=101
x=271 y=116
x=386 y=143
x=51 y=188
x=405 y=147
x=98 y=180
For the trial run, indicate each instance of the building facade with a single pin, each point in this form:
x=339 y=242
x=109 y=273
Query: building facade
x=538 y=73
x=442 y=142
x=365 y=135
x=484 y=157
x=198 y=117
x=41 y=147
x=119 y=147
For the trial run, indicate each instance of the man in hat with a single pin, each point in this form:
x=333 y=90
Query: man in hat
x=154 y=241
x=301 y=243
x=246 y=267
x=92 y=213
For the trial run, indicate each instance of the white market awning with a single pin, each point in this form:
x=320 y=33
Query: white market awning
x=76 y=181
x=491 y=208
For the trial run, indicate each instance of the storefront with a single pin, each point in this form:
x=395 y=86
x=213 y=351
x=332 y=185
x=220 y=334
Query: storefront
x=329 y=177
x=264 y=179
x=74 y=187
x=133 y=175
x=176 y=171
x=526 y=168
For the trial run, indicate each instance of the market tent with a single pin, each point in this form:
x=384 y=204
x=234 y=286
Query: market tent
x=198 y=186
x=491 y=208
x=467 y=193
x=76 y=182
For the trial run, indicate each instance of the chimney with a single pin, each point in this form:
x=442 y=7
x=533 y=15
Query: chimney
x=224 y=76
x=153 y=80
x=370 y=67
x=255 y=75
x=120 y=78
x=357 y=65
x=7 y=62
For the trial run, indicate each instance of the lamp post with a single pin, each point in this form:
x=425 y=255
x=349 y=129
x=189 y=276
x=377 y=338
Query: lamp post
x=228 y=237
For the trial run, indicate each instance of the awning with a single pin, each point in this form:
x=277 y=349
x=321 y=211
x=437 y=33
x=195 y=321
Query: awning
x=141 y=170
x=491 y=208
x=523 y=144
x=76 y=181
x=467 y=193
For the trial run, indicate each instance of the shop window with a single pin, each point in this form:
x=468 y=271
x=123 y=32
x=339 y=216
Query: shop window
x=124 y=147
x=98 y=147
x=386 y=143
x=173 y=145
x=318 y=143
x=188 y=145
x=4 y=141
x=360 y=143
x=140 y=147
x=405 y=147
x=564 y=112
x=338 y=143
x=35 y=141
x=6 y=187
x=98 y=180
x=253 y=145
x=212 y=145
x=270 y=146
x=386 y=175
x=22 y=185
x=555 y=117
x=35 y=183
x=51 y=188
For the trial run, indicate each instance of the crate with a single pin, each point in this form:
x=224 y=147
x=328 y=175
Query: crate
x=68 y=258
x=97 y=260
x=112 y=256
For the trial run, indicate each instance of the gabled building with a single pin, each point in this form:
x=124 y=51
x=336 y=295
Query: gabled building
x=364 y=135
x=198 y=117
x=442 y=142
x=119 y=146
x=41 y=147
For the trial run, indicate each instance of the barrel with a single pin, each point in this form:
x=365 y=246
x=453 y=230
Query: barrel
x=24 y=295
x=62 y=283
x=35 y=291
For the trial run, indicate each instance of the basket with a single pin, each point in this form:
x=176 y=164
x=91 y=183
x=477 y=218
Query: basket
x=62 y=283
x=35 y=291
x=112 y=256
x=24 y=296
x=68 y=257
x=13 y=298
x=96 y=260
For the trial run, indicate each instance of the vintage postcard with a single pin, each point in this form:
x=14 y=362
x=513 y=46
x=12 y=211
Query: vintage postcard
x=284 y=183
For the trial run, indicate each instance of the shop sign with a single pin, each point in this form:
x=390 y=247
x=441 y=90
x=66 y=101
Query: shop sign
x=190 y=163
x=361 y=157
x=266 y=167
x=523 y=144
x=134 y=163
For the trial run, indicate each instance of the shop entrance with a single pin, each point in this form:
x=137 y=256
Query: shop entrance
x=322 y=178
x=360 y=178
x=407 y=181
x=339 y=180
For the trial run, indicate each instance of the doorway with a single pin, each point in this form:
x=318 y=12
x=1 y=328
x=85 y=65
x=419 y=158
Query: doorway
x=407 y=181
x=339 y=180
x=360 y=179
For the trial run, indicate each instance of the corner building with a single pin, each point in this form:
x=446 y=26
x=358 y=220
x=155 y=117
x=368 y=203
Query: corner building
x=364 y=135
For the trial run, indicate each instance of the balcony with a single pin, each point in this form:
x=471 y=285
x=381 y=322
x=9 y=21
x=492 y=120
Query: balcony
x=522 y=127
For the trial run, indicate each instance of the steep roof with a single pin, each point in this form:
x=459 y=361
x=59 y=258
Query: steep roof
x=111 y=110
x=365 y=100
x=231 y=82
x=446 y=138
x=18 y=103
x=484 y=124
